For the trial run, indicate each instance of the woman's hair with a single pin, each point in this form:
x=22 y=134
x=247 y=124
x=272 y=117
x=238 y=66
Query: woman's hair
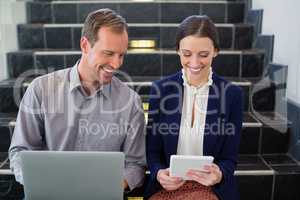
x=199 y=26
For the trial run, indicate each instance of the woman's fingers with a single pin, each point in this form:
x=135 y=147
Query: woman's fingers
x=164 y=176
x=167 y=182
x=208 y=176
x=170 y=186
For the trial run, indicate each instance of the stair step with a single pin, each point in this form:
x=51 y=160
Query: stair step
x=286 y=177
x=140 y=62
x=141 y=84
x=257 y=172
x=6 y=130
x=137 y=11
x=40 y=36
x=256 y=137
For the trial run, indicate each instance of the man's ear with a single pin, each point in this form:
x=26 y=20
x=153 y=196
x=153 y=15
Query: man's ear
x=84 y=44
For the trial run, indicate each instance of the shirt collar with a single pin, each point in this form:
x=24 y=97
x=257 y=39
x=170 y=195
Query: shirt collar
x=74 y=78
x=208 y=83
x=76 y=83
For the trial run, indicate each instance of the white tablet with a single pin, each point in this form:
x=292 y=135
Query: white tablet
x=180 y=164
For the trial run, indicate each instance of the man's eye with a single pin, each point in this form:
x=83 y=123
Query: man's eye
x=186 y=55
x=108 y=53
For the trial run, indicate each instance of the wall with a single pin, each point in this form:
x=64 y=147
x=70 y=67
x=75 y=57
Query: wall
x=281 y=18
x=12 y=12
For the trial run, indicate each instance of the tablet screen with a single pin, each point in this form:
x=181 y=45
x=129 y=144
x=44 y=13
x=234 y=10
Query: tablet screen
x=180 y=164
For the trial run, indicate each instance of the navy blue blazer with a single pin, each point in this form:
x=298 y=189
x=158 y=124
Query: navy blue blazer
x=221 y=134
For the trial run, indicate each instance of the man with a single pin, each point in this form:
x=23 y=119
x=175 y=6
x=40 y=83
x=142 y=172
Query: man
x=86 y=108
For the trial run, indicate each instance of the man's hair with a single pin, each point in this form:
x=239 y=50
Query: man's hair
x=102 y=18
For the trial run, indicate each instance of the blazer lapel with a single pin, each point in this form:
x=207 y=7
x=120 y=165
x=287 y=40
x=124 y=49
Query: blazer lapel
x=176 y=117
x=211 y=117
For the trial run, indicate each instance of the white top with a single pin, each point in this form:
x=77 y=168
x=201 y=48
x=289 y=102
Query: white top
x=190 y=140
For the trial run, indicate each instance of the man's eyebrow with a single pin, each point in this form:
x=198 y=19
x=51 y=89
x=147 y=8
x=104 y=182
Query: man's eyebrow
x=107 y=51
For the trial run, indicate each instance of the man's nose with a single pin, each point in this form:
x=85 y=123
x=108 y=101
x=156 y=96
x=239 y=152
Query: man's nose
x=116 y=62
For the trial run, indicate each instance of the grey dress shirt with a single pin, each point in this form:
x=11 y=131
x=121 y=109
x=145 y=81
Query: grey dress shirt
x=56 y=114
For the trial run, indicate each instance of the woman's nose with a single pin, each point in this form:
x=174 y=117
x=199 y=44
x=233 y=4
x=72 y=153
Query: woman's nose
x=194 y=61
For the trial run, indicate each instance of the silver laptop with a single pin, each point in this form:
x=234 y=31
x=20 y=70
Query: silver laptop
x=64 y=175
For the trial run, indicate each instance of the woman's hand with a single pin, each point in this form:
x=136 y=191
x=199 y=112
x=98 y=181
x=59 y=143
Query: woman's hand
x=167 y=182
x=210 y=175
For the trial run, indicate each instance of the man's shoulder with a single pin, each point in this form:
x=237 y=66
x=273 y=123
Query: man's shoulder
x=52 y=79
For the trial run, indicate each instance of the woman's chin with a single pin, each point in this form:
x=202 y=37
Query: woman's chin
x=194 y=72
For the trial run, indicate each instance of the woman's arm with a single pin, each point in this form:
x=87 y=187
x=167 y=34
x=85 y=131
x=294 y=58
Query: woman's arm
x=228 y=156
x=154 y=148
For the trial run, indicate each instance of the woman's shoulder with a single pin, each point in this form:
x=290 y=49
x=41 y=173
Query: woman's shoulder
x=176 y=77
x=228 y=85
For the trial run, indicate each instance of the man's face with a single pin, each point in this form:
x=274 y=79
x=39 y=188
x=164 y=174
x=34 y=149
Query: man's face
x=106 y=55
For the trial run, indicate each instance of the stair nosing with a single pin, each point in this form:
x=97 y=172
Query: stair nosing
x=247 y=172
x=252 y=124
x=6 y=172
x=131 y=51
x=55 y=25
x=148 y=83
x=254 y=172
x=141 y=1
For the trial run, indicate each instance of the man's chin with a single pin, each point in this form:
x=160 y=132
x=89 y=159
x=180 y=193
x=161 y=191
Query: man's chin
x=105 y=81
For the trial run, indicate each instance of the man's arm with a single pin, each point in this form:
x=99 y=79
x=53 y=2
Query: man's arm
x=134 y=148
x=28 y=130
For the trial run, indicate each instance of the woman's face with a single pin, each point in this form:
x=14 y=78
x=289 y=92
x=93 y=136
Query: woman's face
x=196 y=55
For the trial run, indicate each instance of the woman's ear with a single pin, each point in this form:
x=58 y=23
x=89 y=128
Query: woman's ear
x=84 y=45
x=216 y=53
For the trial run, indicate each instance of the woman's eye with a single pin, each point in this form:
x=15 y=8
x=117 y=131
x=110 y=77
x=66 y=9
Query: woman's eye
x=186 y=55
x=203 y=55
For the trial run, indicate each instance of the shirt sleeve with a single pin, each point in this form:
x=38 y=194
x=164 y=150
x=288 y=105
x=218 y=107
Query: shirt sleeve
x=134 y=147
x=28 y=130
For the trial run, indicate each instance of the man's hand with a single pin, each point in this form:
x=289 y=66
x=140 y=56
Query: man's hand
x=211 y=175
x=167 y=182
x=125 y=184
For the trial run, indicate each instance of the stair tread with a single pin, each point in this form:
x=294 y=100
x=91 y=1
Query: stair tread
x=79 y=25
x=45 y=51
x=253 y=164
x=136 y=1
x=9 y=119
x=272 y=117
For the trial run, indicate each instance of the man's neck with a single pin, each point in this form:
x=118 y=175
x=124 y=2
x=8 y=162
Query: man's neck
x=89 y=85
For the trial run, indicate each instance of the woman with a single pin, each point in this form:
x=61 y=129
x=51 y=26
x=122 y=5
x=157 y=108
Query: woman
x=194 y=112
